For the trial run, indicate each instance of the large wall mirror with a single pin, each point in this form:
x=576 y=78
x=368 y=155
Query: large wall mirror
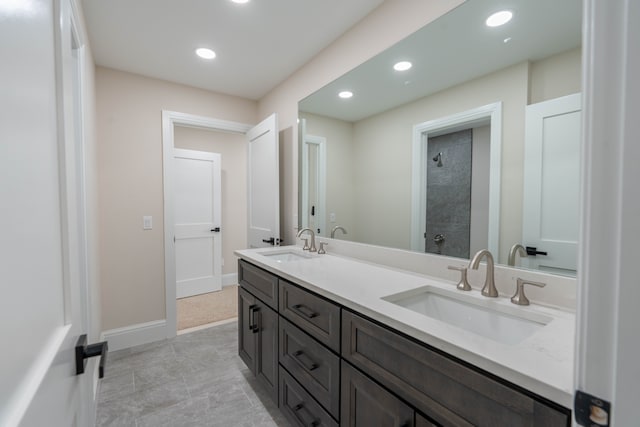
x=476 y=145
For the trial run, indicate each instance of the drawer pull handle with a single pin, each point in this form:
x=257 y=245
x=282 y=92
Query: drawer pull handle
x=297 y=409
x=305 y=311
x=253 y=327
x=297 y=355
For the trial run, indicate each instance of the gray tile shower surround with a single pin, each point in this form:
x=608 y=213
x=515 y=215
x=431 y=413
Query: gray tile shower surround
x=196 y=379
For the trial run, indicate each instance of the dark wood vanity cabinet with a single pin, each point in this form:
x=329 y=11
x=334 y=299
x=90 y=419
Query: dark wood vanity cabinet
x=327 y=366
x=450 y=392
x=258 y=339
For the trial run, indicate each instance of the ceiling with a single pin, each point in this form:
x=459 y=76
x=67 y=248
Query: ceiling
x=258 y=44
x=455 y=48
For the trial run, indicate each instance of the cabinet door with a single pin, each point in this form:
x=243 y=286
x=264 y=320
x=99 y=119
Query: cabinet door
x=246 y=328
x=267 y=348
x=366 y=404
x=423 y=422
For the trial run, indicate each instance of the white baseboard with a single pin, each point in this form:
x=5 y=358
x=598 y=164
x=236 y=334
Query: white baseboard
x=130 y=336
x=229 y=279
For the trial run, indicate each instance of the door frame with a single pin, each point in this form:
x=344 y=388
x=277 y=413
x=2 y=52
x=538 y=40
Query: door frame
x=171 y=119
x=491 y=113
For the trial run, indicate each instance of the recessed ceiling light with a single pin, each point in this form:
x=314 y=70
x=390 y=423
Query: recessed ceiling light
x=205 y=53
x=345 y=94
x=499 y=18
x=402 y=66
x=240 y=1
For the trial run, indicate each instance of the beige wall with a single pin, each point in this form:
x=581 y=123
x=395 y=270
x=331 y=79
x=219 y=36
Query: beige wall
x=233 y=152
x=392 y=21
x=129 y=156
x=556 y=76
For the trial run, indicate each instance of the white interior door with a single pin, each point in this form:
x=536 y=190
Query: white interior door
x=551 y=182
x=41 y=256
x=198 y=240
x=263 y=216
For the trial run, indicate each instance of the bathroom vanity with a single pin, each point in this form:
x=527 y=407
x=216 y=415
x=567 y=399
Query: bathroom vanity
x=338 y=341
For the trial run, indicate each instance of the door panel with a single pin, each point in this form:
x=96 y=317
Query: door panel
x=267 y=349
x=197 y=199
x=42 y=257
x=551 y=182
x=263 y=185
x=365 y=403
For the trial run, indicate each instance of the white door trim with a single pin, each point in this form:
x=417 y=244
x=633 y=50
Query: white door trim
x=607 y=348
x=452 y=123
x=170 y=119
x=321 y=142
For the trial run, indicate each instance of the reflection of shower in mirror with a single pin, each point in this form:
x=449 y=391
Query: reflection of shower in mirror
x=438 y=159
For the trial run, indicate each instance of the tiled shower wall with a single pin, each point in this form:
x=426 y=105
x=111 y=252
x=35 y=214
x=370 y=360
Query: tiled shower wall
x=449 y=193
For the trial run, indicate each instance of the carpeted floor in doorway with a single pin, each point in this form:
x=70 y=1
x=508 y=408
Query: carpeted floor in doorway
x=207 y=308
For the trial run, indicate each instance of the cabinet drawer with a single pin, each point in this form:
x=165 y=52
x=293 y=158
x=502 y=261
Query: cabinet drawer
x=313 y=314
x=299 y=407
x=260 y=283
x=449 y=392
x=366 y=404
x=315 y=367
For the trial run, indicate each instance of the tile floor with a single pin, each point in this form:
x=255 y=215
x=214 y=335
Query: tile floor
x=195 y=379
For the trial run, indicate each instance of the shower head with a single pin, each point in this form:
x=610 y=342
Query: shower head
x=438 y=158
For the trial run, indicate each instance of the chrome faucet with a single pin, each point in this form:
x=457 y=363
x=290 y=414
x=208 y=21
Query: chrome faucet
x=489 y=288
x=336 y=228
x=516 y=249
x=312 y=248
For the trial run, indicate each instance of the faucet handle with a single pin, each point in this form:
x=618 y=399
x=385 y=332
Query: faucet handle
x=306 y=245
x=463 y=284
x=322 y=245
x=519 y=297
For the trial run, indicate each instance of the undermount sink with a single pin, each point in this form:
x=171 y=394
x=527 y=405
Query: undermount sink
x=508 y=325
x=285 y=256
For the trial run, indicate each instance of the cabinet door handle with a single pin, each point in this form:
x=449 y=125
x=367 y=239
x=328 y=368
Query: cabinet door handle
x=252 y=318
x=297 y=412
x=298 y=355
x=304 y=310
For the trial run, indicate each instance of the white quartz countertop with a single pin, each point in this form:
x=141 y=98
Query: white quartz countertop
x=541 y=363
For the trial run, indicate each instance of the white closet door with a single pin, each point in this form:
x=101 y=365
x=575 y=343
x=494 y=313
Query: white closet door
x=197 y=199
x=551 y=182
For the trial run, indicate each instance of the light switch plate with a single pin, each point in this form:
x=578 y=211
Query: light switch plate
x=147 y=222
x=332 y=217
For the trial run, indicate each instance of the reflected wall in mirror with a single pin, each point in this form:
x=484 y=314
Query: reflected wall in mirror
x=377 y=183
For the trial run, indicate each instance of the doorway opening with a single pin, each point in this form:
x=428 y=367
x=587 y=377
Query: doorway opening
x=314 y=184
x=426 y=157
x=187 y=131
x=210 y=181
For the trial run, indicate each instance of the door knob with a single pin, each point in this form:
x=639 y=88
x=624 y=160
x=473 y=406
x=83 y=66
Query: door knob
x=84 y=351
x=216 y=230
